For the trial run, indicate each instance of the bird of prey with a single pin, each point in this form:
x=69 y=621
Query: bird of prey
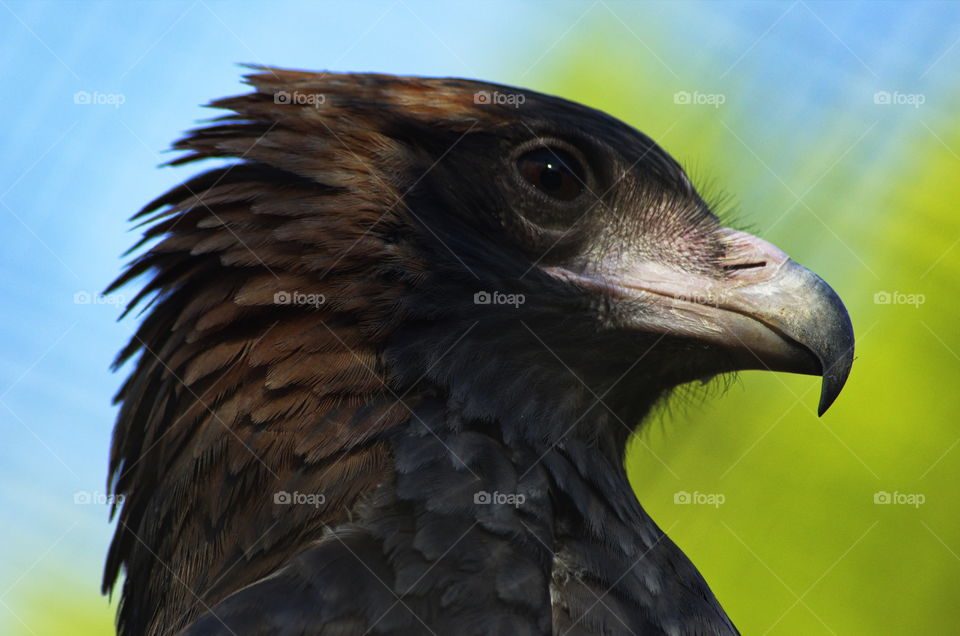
x=392 y=351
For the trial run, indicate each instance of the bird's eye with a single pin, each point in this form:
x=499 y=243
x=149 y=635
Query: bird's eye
x=553 y=171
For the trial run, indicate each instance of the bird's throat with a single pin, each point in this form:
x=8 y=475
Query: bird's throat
x=543 y=524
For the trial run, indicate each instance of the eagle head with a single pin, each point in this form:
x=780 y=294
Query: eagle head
x=401 y=292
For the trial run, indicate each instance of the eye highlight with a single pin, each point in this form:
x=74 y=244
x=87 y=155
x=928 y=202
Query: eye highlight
x=553 y=171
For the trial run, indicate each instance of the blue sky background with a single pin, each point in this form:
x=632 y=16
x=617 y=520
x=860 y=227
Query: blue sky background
x=799 y=80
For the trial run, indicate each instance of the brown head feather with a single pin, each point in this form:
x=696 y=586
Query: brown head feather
x=259 y=364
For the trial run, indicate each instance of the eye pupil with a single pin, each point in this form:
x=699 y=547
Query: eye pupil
x=552 y=178
x=553 y=171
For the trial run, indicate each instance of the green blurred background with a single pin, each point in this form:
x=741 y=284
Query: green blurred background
x=829 y=129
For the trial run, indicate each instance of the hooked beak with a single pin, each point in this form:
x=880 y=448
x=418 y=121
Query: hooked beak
x=766 y=312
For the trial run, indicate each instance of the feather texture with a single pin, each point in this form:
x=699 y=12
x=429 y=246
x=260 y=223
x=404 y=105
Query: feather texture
x=318 y=407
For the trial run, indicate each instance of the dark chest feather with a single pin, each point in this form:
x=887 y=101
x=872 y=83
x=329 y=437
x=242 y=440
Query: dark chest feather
x=477 y=537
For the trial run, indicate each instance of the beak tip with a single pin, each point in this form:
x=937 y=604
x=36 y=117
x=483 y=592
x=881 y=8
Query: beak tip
x=832 y=385
x=837 y=373
x=826 y=400
x=827 y=397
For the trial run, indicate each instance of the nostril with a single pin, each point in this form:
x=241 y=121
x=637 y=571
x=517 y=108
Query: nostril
x=737 y=266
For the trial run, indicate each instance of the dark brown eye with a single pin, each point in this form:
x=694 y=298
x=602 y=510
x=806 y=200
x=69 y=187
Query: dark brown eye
x=553 y=171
